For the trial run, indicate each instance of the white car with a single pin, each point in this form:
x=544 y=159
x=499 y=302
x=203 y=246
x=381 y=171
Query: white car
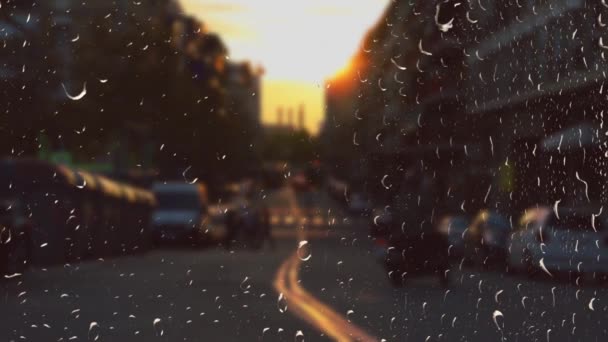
x=563 y=240
x=485 y=240
x=454 y=227
x=181 y=212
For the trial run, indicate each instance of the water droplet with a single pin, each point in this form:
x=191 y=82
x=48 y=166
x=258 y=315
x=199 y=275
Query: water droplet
x=11 y=276
x=542 y=266
x=81 y=186
x=282 y=303
x=76 y=97
x=591 y=304
x=496 y=295
x=94 y=331
x=303 y=252
x=158 y=329
x=244 y=285
x=555 y=208
x=5 y=236
x=495 y=316
x=443 y=27
x=397 y=65
x=185 y=179
x=424 y=52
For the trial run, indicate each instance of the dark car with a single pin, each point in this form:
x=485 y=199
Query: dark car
x=414 y=255
x=486 y=239
x=414 y=244
x=454 y=228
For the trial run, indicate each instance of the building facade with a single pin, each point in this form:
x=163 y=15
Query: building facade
x=479 y=96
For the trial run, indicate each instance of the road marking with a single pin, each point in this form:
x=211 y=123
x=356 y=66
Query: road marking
x=307 y=307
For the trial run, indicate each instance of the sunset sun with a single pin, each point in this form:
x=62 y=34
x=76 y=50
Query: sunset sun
x=299 y=43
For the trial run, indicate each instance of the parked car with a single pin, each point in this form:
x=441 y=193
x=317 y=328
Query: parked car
x=486 y=239
x=415 y=246
x=15 y=242
x=181 y=213
x=454 y=228
x=563 y=240
x=58 y=214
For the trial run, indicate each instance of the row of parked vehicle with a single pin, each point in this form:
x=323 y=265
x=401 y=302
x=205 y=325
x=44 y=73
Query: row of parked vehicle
x=184 y=215
x=51 y=214
x=546 y=239
x=414 y=235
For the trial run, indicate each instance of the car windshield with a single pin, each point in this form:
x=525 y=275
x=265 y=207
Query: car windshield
x=178 y=201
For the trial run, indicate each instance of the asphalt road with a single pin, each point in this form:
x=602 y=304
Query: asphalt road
x=321 y=283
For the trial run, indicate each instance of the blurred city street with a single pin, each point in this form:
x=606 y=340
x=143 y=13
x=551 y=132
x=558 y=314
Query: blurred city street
x=213 y=294
x=320 y=170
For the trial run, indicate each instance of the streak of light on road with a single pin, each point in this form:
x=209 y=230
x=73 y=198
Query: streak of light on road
x=304 y=305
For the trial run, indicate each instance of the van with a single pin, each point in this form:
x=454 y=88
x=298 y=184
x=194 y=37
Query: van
x=182 y=209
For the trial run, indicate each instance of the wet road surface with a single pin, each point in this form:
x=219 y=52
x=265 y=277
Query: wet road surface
x=321 y=283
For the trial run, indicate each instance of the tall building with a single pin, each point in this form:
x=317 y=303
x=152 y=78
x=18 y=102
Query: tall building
x=280 y=116
x=290 y=118
x=243 y=88
x=481 y=94
x=302 y=117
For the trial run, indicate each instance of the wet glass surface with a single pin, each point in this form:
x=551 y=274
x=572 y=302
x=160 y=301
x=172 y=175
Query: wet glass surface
x=230 y=170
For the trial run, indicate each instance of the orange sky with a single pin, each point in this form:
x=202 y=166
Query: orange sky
x=299 y=43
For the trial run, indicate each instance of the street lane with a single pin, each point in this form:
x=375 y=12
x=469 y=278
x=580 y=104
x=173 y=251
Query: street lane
x=306 y=305
x=346 y=278
x=212 y=294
